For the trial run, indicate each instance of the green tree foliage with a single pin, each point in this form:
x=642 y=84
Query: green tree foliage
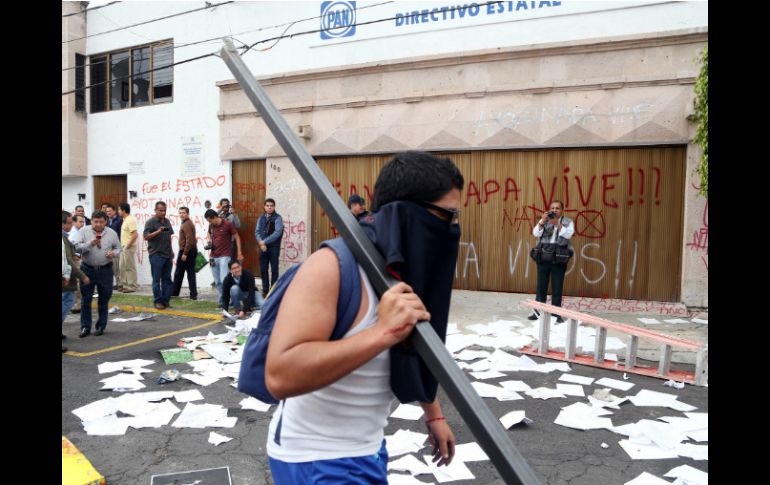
x=702 y=117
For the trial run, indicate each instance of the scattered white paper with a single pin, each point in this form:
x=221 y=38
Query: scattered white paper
x=449 y=473
x=696 y=452
x=699 y=436
x=500 y=393
x=514 y=417
x=452 y=328
x=689 y=475
x=576 y=379
x=659 y=399
x=674 y=384
x=139 y=318
x=571 y=389
x=581 y=421
x=201 y=380
x=153 y=396
x=254 y=404
x=699 y=320
x=615 y=384
x=648 y=321
x=481 y=329
x=224 y=353
x=217 y=439
x=408 y=411
x=647 y=479
x=204 y=416
x=646 y=452
x=612 y=357
x=605 y=445
x=625 y=377
x=122 y=382
x=518 y=386
x=107 y=367
x=544 y=393
x=187 y=396
x=490 y=374
x=97 y=409
x=409 y=463
x=456 y=342
x=470 y=452
x=612 y=402
x=107 y=426
x=404 y=441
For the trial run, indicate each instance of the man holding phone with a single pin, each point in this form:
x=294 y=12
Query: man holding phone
x=99 y=246
x=157 y=233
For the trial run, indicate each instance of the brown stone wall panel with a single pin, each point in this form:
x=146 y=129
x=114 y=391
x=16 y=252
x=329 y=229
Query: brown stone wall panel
x=248 y=199
x=628 y=235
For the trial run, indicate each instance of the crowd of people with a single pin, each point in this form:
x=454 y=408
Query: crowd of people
x=335 y=394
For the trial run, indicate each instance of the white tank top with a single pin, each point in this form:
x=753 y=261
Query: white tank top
x=343 y=419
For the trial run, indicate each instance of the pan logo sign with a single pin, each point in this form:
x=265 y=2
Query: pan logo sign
x=338 y=19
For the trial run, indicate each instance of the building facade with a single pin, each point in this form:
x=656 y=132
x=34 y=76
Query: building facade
x=584 y=102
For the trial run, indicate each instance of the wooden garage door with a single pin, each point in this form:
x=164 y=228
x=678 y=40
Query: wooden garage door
x=111 y=189
x=627 y=205
x=248 y=200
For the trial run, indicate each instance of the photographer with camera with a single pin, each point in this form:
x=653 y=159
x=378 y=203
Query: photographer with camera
x=221 y=233
x=553 y=250
x=157 y=233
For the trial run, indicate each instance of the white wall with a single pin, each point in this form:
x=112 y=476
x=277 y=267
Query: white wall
x=146 y=142
x=70 y=188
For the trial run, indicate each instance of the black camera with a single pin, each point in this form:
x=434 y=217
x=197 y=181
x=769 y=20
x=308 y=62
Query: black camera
x=208 y=247
x=551 y=214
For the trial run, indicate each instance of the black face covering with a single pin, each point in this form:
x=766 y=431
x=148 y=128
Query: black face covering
x=420 y=249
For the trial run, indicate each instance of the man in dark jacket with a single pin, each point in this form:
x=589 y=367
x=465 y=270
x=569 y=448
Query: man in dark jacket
x=269 y=233
x=357 y=206
x=70 y=285
x=239 y=290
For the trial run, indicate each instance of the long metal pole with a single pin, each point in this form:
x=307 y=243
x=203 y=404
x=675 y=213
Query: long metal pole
x=486 y=428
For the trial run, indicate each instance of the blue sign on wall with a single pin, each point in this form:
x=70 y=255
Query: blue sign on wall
x=338 y=19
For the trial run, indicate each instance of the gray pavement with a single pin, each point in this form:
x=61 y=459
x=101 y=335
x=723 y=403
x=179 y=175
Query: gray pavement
x=558 y=455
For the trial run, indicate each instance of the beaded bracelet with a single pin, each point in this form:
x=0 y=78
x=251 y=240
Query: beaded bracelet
x=434 y=419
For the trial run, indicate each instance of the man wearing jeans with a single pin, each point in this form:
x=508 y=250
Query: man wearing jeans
x=239 y=290
x=269 y=233
x=222 y=232
x=157 y=233
x=98 y=246
x=188 y=251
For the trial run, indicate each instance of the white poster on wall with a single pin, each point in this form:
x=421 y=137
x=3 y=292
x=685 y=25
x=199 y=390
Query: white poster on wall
x=192 y=155
x=136 y=168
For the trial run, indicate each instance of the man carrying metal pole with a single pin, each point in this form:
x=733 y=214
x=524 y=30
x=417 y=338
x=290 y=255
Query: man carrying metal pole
x=336 y=395
x=424 y=339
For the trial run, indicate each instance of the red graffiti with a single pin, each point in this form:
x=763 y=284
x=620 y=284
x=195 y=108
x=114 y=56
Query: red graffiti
x=583 y=304
x=590 y=224
x=294 y=241
x=473 y=191
x=700 y=237
x=606 y=188
x=241 y=188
